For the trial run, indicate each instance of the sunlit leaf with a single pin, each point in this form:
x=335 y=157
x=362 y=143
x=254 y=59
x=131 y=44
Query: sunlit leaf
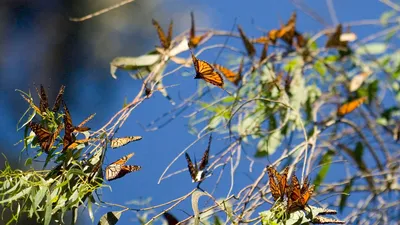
x=132 y=63
x=345 y=195
x=373 y=48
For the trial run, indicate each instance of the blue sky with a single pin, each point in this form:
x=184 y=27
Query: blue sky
x=128 y=32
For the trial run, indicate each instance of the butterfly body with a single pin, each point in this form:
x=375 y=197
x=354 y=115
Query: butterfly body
x=206 y=72
x=118 y=168
x=199 y=173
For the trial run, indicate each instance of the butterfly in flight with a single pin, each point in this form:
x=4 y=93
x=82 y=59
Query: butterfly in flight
x=193 y=39
x=118 y=168
x=298 y=196
x=165 y=40
x=229 y=74
x=69 y=137
x=277 y=182
x=205 y=71
x=119 y=142
x=199 y=173
x=251 y=51
x=350 y=106
x=45 y=138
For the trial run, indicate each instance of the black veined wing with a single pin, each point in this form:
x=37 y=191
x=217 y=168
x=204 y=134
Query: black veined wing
x=192 y=167
x=334 y=39
x=204 y=159
x=193 y=39
x=45 y=138
x=277 y=182
x=119 y=142
x=171 y=220
x=247 y=44
x=69 y=137
x=44 y=102
x=287 y=32
x=350 y=106
x=59 y=98
x=205 y=71
x=298 y=196
x=264 y=52
x=229 y=74
x=118 y=168
x=164 y=40
x=300 y=40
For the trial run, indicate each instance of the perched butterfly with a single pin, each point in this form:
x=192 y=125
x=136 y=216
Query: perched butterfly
x=287 y=32
x=206 y=72
x=195 y=40
x=44 y=102
x=264 y=52
x=277 y=182
x=45 y=138
x=69 y=137
x=298 y=196
x=118 y=168
x=247 y=44
x=119 y=142
x=229 y=74
x=198 y=174
x=334 y=39
x=164 y=40
x=171 y=220
x=350 y=106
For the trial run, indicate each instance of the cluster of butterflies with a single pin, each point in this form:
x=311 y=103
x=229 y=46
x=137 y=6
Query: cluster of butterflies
x=46 y=136
x=287 y=33
x=297 y=196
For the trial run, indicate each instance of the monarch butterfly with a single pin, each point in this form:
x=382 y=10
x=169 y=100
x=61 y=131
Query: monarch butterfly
x=334 y=39
x=45 y=138
x=229 y=74
x=118 y=168
x=247 y=44
x=350 y=106
x=44 y=102
x=195 y=40
x=298 y=197
x=198 y=174
x=164 y=40
x=69 y=137
x=119 y=142
x=287 y=32
x=206 y=72
x=277 y=182
x=264 y=52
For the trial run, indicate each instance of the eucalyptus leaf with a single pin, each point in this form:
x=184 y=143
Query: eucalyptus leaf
x=373 y=48
x=133 y=63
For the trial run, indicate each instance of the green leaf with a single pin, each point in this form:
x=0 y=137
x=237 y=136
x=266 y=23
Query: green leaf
x=373 y=48
x=386 y=16
x=320 y=67
x=39 y=196
x=269 y=144
x=345 y=195
x=133 y=63
x=48 y=208
x=325 y=163
x=110 y=218
x=215 y=121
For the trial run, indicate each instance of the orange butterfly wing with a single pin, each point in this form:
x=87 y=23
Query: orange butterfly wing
x=164 y=40
x=278 y=182
x=45 y=138
x=287 y=32
x=58 y=101
x=350 y=106
x=229 y=74
x=194 y=40
x=206 y=72
x=118 y=168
